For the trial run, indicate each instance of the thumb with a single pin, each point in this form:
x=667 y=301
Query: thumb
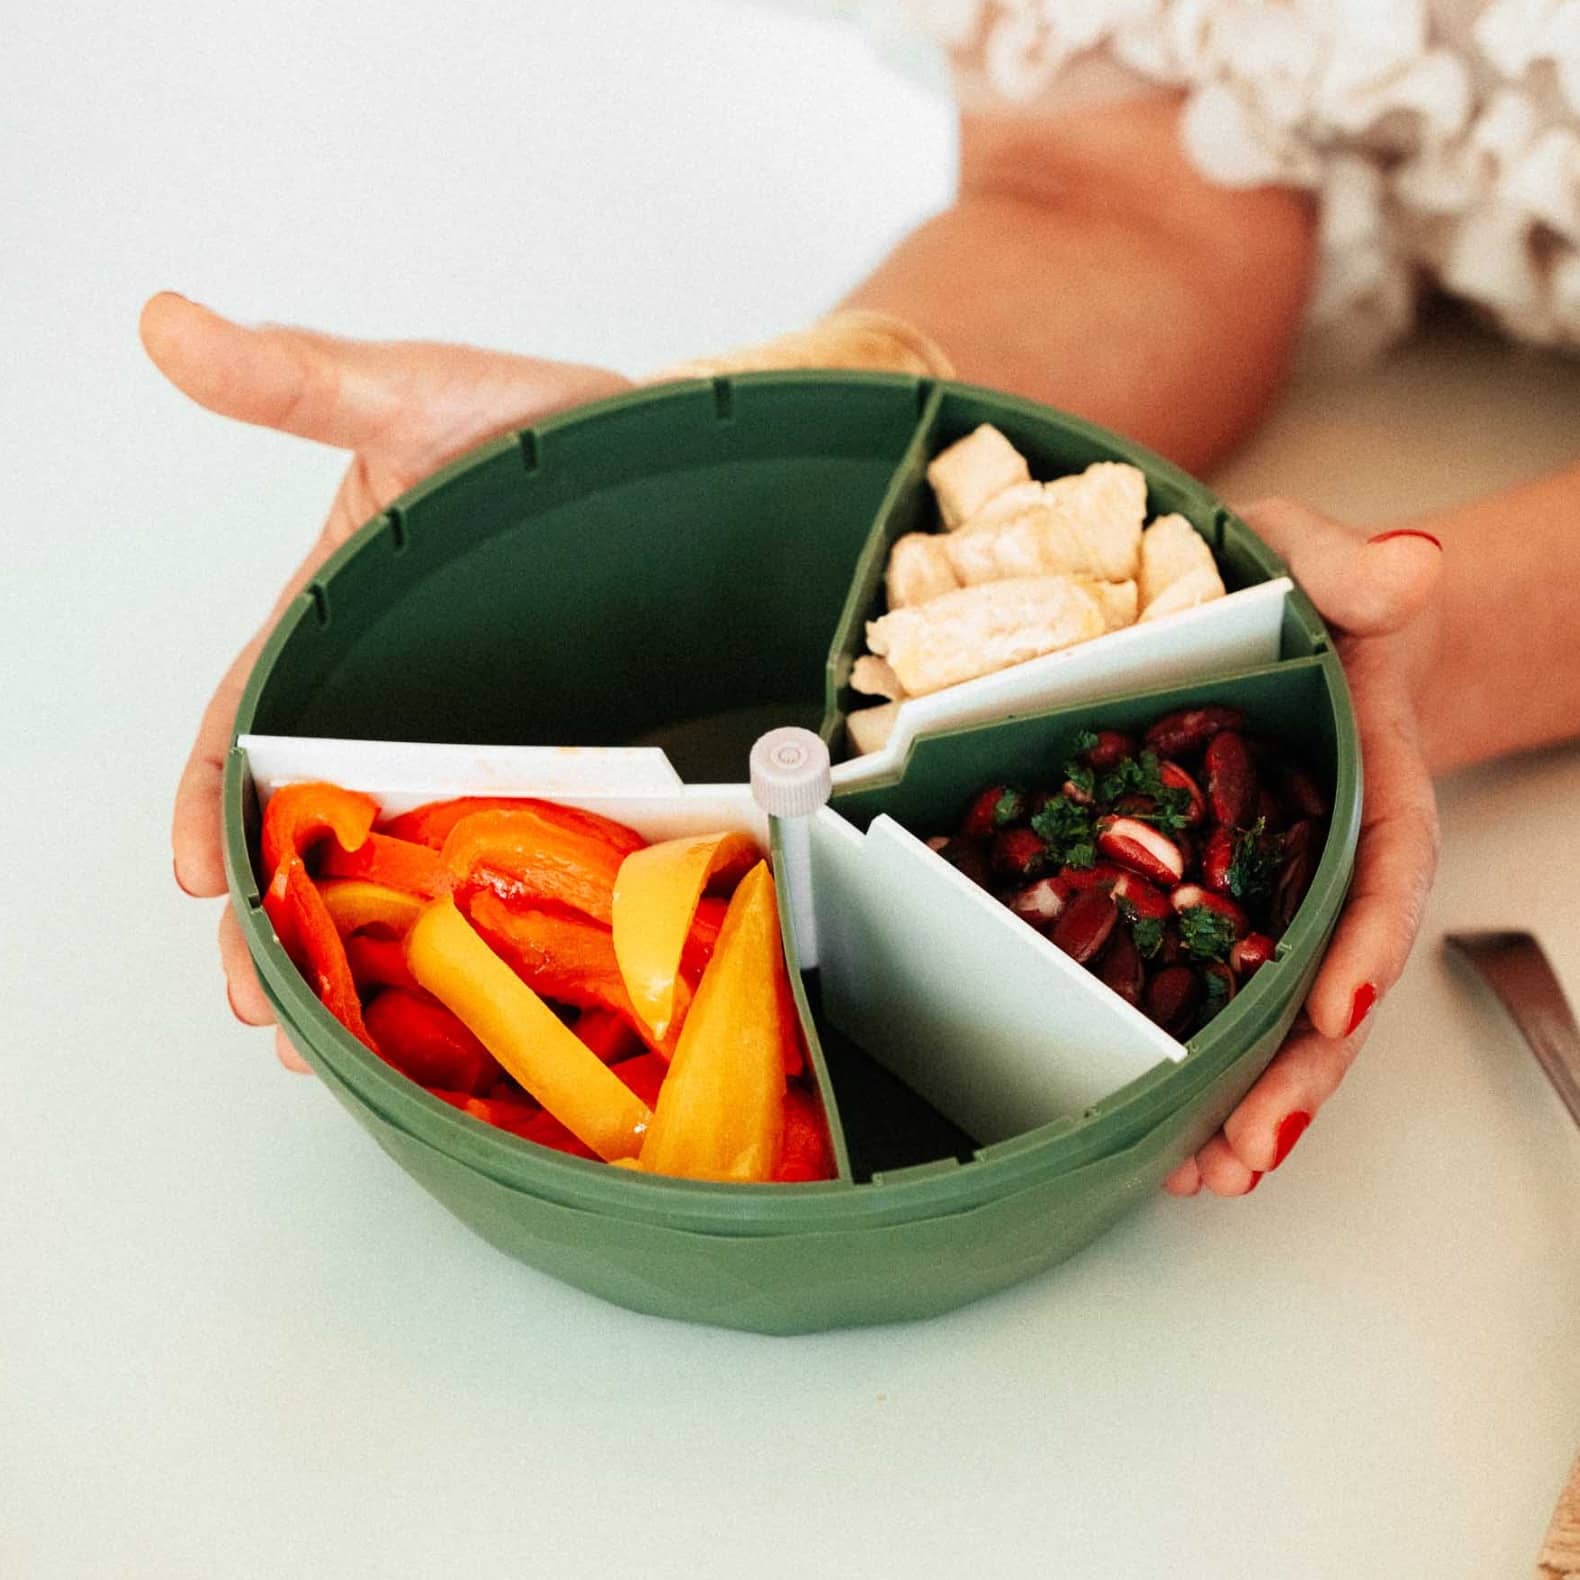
x=357 y=394
x=1367 y=586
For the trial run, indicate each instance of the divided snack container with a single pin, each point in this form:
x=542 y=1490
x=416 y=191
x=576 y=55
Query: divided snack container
x=607 y=609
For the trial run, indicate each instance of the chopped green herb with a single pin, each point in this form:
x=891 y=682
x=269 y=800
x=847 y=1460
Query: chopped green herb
x=1140 y=776
x=1217 y=992
x=1253 y=868
x=1084 y=741
x=1065 y=827
x=1147 y=934
x=1010 y=808
x=1207 y=934
x=1082 y=777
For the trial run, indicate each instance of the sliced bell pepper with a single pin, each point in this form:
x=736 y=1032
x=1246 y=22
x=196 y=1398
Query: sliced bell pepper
x=721 y=1112
x=298 y=816
x=655 y=900
x=423 y=1040
x=807 y=1153
x=566 y=959
x=703 y=936
x=354 y=903
x=645 y=1075
x=307 y=931
x=451 y=960
x=529 y=859
x=378 y=962
x=431 y=824
x=609 y=1035
x=395 y=863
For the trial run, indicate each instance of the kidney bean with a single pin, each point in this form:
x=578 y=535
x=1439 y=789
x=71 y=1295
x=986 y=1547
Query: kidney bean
x=1071 y=791
x=1294 y=878
x=1018 y=853
x=1141 y=848
x=1217 y=986
x=1232 y=786
x=1135 y=805
x=1301 y=794
x=1189 y=730
x=1189 y=895
x=1171 y=1000
x=1249 y=953
x=1112 y=748
x=1085 y=924
x=997 y=807
x=1100 y=875
x=1120 y=966
x=1217 y=856
x=1040 y=902
x=965 y=855
x=1145 y=899
x=1270 y=810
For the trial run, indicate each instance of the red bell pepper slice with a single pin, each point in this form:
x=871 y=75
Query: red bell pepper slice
x=532 y=860
x=299 y=816
x=379 y=962
x=566 y=959
x=307 y=932
x=431 y=824
x=806 y=1152
x=395 y=863
x=423 y=1040
x=704 y=934
x=607 y=1034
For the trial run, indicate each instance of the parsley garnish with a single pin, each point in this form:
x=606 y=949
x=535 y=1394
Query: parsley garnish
x=1085 y=740
x=1217 y=992
x=1206 y=933
x=1253 y=868
x=1065 y=827
x=1147 y=934
x=1141 y=776
x=1009 y=808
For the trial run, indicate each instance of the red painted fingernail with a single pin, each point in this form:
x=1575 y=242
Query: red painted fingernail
x=1406 y=532
x=1290 y=1129
x=176 y=870
x=1256 y=1179
x=1361 y=1007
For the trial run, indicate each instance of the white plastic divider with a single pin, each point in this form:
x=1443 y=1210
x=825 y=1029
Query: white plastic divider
x=636 y=786
x=1241 y=631
x=964 y=1002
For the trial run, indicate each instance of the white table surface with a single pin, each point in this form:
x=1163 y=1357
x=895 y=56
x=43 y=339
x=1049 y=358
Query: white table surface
x=234 y=1339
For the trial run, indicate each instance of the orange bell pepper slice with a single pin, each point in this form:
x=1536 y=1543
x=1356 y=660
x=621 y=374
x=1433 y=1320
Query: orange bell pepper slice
x=530 y=859
x=354 y=903
x=431 y=824
x=563 y=958
x=307 y=931
x=394 y=863
x=378 y=962
x=721 y=1112
x=807 y=1153
x=655 y=902
x=543 y=1055
x=424 y=1041
x=298 y=816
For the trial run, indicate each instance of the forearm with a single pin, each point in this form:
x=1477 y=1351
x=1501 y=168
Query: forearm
x=1502 y=671
x=1087 y=264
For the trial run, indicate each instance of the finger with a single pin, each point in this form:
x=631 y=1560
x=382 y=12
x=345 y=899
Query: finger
x=289 y=1057
x=1185 y=1180
x=1274 y=1114
x=1394 y=863
x=421 y=402
x=1366 y=586
x=1222 y=1170
x=248 y=1002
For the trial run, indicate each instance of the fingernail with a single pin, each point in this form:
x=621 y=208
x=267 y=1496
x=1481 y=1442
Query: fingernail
x=1290 y=1129
x=1406 y=532
x=179 y=884
x=1361 y=1007
x=1256 y=1179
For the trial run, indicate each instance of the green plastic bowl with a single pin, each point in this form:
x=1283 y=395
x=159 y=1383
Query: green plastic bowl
x=687 y=566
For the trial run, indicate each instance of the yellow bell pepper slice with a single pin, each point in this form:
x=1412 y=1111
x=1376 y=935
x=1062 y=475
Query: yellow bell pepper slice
x=548 y=1059
x=359 y=902
x=655 y=898
x=720 y=1113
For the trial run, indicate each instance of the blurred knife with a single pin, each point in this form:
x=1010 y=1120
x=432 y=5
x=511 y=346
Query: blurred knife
x=1515 y=968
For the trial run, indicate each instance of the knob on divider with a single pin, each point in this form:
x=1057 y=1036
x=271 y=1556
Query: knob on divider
x=790 y=772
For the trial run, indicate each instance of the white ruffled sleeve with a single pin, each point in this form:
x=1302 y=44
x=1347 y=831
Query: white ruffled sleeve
x=1441 y=138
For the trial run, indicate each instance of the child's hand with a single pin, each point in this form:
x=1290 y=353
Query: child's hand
x=403 y=409
x=1377 y=594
